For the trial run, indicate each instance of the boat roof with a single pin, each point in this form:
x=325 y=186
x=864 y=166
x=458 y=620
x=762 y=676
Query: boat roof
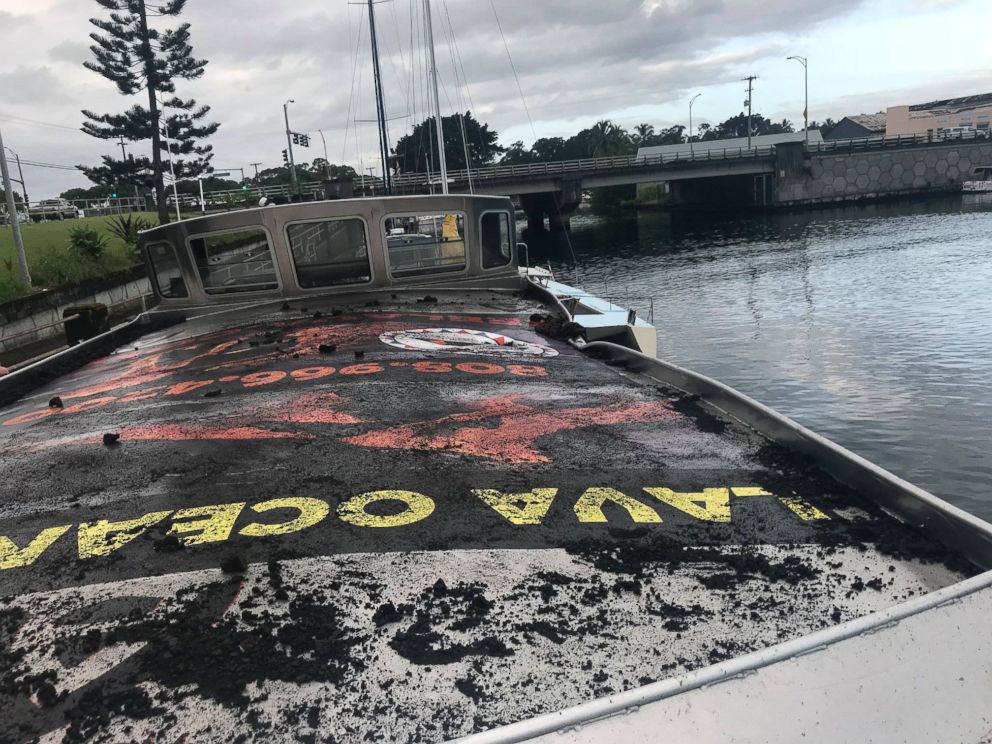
x=413 y=516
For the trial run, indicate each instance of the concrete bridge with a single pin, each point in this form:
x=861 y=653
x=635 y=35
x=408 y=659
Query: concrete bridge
x=786 y=174
x=554 y=190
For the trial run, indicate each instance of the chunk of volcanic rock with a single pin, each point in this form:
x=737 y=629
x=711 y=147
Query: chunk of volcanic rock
x=233 y=564
x=55 y=402
x=111 y=439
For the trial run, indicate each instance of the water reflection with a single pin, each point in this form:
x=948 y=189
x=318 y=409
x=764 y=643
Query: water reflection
x=871 y=324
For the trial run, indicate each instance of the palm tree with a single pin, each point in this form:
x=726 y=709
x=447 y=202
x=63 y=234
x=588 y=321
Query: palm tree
x=643 y=133
x=608 y=139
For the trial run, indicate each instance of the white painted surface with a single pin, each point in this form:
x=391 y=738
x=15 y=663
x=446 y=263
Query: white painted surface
x=926 y=679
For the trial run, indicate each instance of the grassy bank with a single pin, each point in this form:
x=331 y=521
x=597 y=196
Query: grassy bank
x=52 y=262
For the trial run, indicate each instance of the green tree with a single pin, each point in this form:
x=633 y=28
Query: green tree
x=643 y=133
x=517 y=154
x=736 y=127
x=142 y=59
x=321 y=169
x=548 y=149
x=824 y=126
x=670 y=136
x=18 y=199
x=607 y=138
x=100 y=191
x=416 y=152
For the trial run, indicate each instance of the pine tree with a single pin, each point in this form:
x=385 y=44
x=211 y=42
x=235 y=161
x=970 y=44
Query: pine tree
x=139 y=58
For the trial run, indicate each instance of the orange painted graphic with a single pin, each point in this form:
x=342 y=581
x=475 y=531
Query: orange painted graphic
x=192 y=433
x=517 y=427
x=311 y=408
x=230 y=349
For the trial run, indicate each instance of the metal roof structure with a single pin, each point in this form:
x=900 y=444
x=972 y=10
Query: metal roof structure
x=874 y=122
x=761 y=140
x=956 y=104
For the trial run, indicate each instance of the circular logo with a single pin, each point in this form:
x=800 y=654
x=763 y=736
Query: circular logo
x=463 y=341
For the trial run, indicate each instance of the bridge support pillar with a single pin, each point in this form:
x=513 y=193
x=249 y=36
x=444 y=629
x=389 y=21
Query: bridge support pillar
x=556 y=206
x=533 y=206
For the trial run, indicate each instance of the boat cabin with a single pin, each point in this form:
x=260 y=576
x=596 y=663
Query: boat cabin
x=330 y=247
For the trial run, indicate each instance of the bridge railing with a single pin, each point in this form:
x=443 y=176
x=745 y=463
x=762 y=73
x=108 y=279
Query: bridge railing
x=878 y=142
x=585 y=166
x=494 y=173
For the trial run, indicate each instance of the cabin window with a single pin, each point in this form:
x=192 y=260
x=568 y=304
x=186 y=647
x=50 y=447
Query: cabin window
x=495 y=239
x=237 y=261
x=330 y=253
x=166 y=270
x=425 y=244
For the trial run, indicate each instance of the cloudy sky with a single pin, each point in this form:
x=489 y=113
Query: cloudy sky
x=577 y=60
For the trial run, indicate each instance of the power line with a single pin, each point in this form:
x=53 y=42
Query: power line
x=56 y=166
x=25 y=120
x=513 y=67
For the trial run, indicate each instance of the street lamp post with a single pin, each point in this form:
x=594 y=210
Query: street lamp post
x=327 y=165
x=289 y=147
x=802 y=61
x=691 y=101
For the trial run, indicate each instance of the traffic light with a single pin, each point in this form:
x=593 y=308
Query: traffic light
x=244 y=187
x=305 y=140
x=296 y=138
x=113 y=195
x=285 y=157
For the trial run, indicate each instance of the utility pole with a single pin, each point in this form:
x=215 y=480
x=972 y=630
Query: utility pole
x=15 y=225
x=327 y=165
x=802 y=61
x=255 y=166
x=289 y=147
x=750 y=79
x=691 y=101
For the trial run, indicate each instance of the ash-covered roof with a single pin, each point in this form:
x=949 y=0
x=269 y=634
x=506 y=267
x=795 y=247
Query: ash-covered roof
x=874 y=122
x=760 y=140
x=956 y=104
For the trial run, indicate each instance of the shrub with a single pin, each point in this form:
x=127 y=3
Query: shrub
x=87 y=242
x=127 y=227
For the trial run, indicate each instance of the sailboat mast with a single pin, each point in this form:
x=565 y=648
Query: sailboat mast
x=439 y=129
x=380 y=104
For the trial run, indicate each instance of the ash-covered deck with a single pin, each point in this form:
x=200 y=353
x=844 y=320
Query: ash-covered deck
x=406 y=523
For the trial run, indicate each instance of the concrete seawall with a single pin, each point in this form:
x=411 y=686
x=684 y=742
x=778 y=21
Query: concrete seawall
x=870 y=174
x=27 y=320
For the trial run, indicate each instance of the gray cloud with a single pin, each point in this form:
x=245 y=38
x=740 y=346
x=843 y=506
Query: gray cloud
x=577 y=60
x=70 y=50
x=31 y=85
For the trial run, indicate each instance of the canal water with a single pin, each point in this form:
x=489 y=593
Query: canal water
x=871 y=325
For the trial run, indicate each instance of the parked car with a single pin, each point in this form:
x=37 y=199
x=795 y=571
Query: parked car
x=54 y=209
